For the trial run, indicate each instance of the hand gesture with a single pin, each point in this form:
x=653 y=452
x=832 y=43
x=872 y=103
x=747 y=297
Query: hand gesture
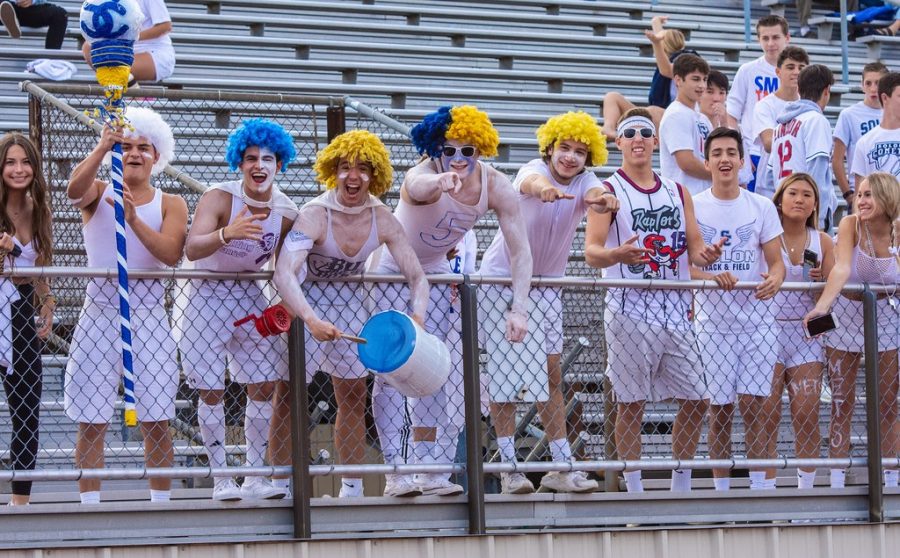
x=245 y=226
x=816 y=274
x=712 y=252
x=449 y=182
x=323 y=331
x=725 y=280
x=45 y=321
x=552 y=193
x=516 y=326
x=629 y=254
x=768 y=287
x=109 y=136
x=602 y=202
x=128 y=199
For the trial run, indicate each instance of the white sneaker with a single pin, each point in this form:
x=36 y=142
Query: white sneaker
x=515 y=483
x=258 y=488
x=568 y=482
x=437 y=485
x=9 y=19
x=226 y=490
x=401 y=486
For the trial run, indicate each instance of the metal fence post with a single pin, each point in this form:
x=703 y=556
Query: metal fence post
x=302 y=482
x=472 y=389
x=747 y=34
x=35 y=123
x=335 y=117
x=873 y=417
x=845 y=68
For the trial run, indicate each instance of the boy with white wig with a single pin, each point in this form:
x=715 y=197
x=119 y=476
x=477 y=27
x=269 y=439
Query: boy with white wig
x=155 y=229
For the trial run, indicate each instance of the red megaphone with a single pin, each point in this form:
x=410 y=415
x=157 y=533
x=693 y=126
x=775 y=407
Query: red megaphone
x=275 y=320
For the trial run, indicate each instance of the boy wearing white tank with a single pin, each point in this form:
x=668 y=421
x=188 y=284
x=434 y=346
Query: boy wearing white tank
x=440 y=200
x=155 y=229
x=652 y=348
x=736 y=331
x=555 y=192
x=333 y=236
x=879 y=150
x=238 y=227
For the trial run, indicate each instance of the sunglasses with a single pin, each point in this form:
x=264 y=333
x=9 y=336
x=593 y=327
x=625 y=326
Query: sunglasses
x=631 y=132
x=450 y=151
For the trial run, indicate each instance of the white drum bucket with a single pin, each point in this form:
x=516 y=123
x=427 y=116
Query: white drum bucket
x=407 y=357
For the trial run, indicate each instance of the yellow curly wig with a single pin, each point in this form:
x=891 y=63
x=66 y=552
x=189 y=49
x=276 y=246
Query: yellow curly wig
x=356 y=145
x=577 y=126
x=470 y=125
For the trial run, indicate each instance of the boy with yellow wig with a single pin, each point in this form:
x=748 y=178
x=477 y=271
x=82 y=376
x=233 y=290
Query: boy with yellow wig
x=347 y=219
x=441 y=199
x=555 y=192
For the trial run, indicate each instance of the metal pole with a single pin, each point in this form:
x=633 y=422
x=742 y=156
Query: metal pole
x=873 y=416
x=335 y=118
x=35 y=123
x=610 y=478
x=472 y=391
x=747 y=35
x=845 y=65
x=301 y=480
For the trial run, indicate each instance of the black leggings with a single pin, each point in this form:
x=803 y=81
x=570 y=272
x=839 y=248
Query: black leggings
x=23 y=388
x=50 y=15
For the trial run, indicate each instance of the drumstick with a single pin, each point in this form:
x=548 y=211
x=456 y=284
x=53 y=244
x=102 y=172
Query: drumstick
x=354 y=338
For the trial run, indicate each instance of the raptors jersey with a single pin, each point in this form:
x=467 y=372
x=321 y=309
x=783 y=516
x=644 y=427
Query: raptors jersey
x=656 y=216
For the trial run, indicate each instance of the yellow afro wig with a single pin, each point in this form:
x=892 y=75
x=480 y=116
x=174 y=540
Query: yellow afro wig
x=356 y=145
x=577 y=126
x=470 y=125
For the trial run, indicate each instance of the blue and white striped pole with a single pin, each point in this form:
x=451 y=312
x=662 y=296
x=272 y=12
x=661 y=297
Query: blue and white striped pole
x=124 y=304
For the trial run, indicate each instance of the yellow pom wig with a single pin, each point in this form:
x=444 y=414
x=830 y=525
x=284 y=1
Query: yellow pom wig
x=577 y=126
x=356 y=145
x=470 y=125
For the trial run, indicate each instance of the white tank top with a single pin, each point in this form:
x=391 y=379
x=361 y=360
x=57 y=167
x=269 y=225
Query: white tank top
x=657 y=217
x=793 y=305
x=244 y=255
x=434 y=229
x=100 y=245
x=27 y=258
x=328 y=261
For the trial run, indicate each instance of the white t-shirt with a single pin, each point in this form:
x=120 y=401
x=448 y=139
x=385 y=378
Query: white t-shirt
x=682 y=129
x=764 y=115
x=797 y=142
x=853 y=123
x=155 y=12
x=879 y=150
x=752 y=82
x=551 y=226
x=748 y=222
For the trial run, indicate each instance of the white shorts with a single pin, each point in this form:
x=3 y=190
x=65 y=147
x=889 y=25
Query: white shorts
x=210 y=342
x=95 y=365
x=739 y=363
x=850 y=335
x=342 y=304
x=163 y=61
x=650 y=363
x=795 y=348
x=518 y=371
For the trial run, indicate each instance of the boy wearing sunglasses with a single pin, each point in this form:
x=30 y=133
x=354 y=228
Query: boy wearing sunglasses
x=441 y=199
x=554 y=194
x=651 y=345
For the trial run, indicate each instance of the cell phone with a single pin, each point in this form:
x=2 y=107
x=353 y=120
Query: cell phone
x=820 y=325
x=810 y=261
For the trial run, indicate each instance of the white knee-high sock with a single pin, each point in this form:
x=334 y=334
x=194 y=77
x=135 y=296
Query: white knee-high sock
x=257 y=417
x=389 y=412
x=212 y=429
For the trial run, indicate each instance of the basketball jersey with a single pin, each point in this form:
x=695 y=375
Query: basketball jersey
x=100 y=244
x=657 y=217
x=793 y=305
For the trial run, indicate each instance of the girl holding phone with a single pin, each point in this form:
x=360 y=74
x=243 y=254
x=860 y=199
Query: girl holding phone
x=808 y=255
x=867 y=252
x=25 y=242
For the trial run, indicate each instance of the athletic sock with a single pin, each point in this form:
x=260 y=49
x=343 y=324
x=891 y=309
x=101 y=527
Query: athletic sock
x=633 y=481
x=257 y=417
x=90 y=497
x=722 y=483
x=681 y=480
x=423 y=451
x=770 y=484
x=561 y=450
x=806 y=479
x=351 y=488
x=212 y=429
x=890 y=478
x=757 y=480
x=507 y=447
x=160 y=495
x=838 y=478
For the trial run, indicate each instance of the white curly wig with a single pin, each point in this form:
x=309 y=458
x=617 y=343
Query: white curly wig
x=147 y=123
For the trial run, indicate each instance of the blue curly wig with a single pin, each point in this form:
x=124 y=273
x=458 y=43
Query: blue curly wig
x=429 y=135
x=261 y=133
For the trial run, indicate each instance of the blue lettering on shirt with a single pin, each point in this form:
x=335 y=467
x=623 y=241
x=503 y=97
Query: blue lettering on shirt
x=866 y=127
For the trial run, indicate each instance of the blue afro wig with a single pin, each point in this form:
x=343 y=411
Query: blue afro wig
x=260 y=133
x=429 y=135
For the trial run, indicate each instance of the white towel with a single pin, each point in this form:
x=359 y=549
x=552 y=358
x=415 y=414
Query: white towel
x=8 y=294
x=57 y=70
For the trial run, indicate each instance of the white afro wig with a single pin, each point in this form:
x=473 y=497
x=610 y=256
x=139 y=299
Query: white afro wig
x=147 y=123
